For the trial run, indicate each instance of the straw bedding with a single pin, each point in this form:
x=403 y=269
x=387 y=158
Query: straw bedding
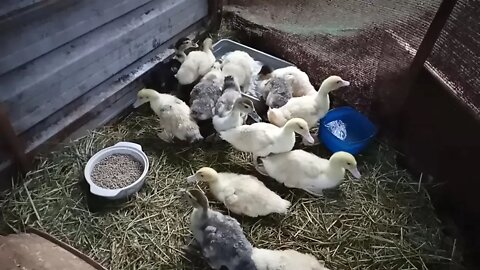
x=383 y=221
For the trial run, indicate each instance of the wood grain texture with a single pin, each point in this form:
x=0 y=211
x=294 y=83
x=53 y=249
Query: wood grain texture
x=58 y=78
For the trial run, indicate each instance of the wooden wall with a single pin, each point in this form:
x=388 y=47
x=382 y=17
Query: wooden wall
x=65 y=62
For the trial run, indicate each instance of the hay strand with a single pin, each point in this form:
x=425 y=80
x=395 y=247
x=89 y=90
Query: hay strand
x=383 y=221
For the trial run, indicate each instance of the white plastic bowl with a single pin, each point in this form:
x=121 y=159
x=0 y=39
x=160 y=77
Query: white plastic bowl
x=128 y=148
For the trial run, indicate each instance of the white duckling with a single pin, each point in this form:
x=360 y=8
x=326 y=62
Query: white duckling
x=205 y=94
x=236 y=116
x=310 y=108
x=304 y=170
x=174 y=116
x=276 y=91
x=262 y=139
x=241 y=194
x=242 y=67
x=289 y=259
x=301 y=85
x=196 y=64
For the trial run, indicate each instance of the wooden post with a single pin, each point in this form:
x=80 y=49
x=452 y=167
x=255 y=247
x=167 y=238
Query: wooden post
x=13 y=144
x=431 y=36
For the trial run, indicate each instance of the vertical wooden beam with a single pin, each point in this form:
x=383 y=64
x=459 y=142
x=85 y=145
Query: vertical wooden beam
x=404 y=89
x=215 y=9
x=12 y=142
x=431 y=36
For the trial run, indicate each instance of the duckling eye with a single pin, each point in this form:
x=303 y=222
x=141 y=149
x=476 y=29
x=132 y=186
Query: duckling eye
x=245 y=106
x=300 y=127
x=348 y=163
x=339 y=82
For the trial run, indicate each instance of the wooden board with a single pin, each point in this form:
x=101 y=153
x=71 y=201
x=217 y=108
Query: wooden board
x=56 y=79
x=31 y=251
x=30 y=35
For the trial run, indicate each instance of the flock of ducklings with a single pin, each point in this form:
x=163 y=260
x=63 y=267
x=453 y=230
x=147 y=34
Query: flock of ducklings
x=294 y=107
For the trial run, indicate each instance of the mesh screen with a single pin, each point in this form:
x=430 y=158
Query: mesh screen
x=370 y=43
x=456 y=56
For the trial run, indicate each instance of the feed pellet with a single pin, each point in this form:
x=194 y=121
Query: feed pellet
x=116 y=171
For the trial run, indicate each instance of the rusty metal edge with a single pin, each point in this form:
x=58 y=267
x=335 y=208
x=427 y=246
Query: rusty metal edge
x=67 y=247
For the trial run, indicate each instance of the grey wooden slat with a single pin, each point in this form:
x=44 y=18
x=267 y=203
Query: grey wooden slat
x=8 y=6
x=111 y=96
x=56 y=79
x=56 y=25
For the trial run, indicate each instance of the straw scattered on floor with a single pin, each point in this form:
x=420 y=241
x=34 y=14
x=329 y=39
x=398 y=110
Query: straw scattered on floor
x=383 y=221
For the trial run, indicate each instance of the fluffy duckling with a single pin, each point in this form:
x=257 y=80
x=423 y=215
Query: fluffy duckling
x=304 y=170
x=164 y=75
x=174 y=116
x=231 y=92
x=196 y=64
x=276 y=91
x=220 y=237
x=300 y=82
x=236 y=116
x=206 y=93
x=182 y=47
x=242 y=67
x=262 y=139
x=309 y=108
x=241 y=194
x=289 y=259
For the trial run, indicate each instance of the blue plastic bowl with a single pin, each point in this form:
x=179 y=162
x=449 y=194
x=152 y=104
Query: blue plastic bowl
x=346 y=129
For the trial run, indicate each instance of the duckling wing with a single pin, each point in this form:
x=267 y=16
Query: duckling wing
x=250 y=138
x=253 y=198
x=224 y=242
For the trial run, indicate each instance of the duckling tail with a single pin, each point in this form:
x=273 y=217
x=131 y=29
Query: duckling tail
x=283 y=207
x=276 y=117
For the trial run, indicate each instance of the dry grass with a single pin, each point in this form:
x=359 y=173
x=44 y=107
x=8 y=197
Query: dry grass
x=384 y=221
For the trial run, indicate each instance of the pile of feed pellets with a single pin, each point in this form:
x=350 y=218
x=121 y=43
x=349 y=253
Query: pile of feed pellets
x=116 y=171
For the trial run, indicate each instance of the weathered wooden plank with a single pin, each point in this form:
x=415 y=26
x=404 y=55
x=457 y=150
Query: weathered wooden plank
x=102 y=103
x=72 y=70
x=8 y=6
x=55 y=25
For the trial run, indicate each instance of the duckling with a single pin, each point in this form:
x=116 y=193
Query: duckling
x=304 y=170
x=196 y=64
x=300 y=82
x=231 y=92
x=236 y=116
x=163 y=75
x=182 y=47
x=276 y=91
x=241 y=194
x=262 y=139
x=221 y=239
x=174 y=116
x=242 y=67
x=289 y=259
x=309 y=108
x=206 y=93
